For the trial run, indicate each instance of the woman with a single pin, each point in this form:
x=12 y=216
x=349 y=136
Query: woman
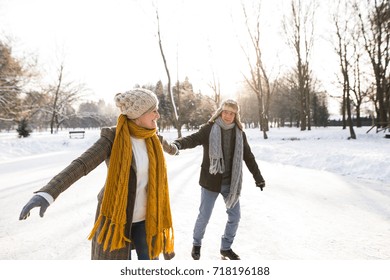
x=133 y=206
x=225 y=147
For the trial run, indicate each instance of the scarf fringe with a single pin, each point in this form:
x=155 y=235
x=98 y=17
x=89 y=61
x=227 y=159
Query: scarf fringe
x=169 y=240
x=119 y=239
x=231 y=200
x=109 y=229
x=95 y=227
x=162 y=242
x=216 y=166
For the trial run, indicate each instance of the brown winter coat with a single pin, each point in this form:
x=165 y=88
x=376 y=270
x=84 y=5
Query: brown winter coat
x=208 y=180
x=100 y=151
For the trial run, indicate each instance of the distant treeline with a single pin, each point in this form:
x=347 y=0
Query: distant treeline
x=364 y=121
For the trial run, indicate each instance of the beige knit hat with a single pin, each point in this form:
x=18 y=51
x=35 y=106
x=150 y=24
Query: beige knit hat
x=229 y=105
x=136 y=102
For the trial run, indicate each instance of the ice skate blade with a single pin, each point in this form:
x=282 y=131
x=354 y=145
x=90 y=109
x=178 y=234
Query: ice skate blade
x=224 y=258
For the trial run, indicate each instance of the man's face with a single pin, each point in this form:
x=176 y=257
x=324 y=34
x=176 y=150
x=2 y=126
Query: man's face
x=228 y=115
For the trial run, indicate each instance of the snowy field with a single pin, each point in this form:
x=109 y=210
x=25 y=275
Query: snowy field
x=326 y=198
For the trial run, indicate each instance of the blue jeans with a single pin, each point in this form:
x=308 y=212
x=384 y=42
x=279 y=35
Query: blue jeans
x=138 y=237
x=207 y=202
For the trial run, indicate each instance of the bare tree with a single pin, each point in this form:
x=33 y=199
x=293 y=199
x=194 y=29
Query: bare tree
x=63 y=95
x=216 y=87
x=176 y=119
x=342 y=51
x=258 y=80
x=215 y=84
x=299 y=29
x=374 y=24
x=357 y=85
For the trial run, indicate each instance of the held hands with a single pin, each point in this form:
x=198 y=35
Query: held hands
x=261 y=185
x=35 y=201
x=175 y=147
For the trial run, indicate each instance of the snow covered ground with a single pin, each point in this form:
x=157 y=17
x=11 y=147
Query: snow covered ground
x=327 y=198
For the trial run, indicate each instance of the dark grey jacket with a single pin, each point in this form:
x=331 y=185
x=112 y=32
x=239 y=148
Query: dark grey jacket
x=208 y=180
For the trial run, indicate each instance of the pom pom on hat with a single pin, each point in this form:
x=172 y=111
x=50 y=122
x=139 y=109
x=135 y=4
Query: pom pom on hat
x=136 y=102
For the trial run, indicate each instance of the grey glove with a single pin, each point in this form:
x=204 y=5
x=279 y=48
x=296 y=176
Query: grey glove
x=35 y=201
x=176 y=147
x=261 y=185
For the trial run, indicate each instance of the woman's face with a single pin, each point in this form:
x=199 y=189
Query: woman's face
x=148 y=120
x=228 y=116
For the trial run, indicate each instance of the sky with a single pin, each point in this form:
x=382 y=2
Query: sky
x=324 y=214
x=112 y=45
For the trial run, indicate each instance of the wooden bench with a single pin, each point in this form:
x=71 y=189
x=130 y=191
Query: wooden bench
x=76 y=134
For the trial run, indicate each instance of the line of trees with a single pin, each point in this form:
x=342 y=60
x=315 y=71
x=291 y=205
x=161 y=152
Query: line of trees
x=53 y=106
x=361 y=38
x=27 y=105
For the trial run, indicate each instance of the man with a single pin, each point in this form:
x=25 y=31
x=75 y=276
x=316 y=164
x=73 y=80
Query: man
x=225 y=147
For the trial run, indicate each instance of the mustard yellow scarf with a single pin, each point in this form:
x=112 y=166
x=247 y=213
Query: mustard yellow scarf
x=158 y=223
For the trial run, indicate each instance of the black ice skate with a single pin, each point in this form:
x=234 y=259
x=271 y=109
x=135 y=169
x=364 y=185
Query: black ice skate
x=229 y=255
x=195 y=253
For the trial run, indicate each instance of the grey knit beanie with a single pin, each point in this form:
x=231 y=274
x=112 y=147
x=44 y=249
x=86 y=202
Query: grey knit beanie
x=136 y=102
x=229 y=105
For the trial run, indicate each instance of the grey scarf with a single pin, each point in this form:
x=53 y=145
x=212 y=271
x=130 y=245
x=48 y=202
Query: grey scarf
x=217 y=164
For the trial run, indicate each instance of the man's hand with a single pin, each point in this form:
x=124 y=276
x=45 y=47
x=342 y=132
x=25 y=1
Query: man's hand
x=175 y=148
x=261 y=185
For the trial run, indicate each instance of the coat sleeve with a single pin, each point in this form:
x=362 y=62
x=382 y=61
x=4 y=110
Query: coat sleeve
x=82 y=165
x=250 y=161
x=200 y=137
